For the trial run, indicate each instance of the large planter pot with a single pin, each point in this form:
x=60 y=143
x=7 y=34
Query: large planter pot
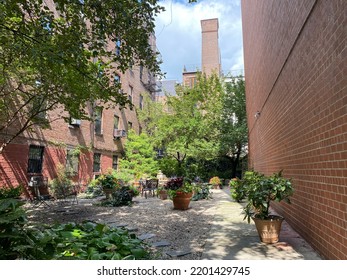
x=181 y=200
x=269 y=230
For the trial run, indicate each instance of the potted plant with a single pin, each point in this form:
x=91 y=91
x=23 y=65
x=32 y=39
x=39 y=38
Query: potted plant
x=162 y=192
x=215 y=182
x=109 y=184
x=180 y=192
x=260 y=191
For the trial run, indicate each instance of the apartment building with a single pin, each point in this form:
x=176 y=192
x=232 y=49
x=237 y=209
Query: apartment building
x=88 y=147
x=295 y=70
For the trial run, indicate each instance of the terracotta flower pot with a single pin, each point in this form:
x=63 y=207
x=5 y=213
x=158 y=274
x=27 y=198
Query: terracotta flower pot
x=182 y=200
x=269 y=230
x=163 y=194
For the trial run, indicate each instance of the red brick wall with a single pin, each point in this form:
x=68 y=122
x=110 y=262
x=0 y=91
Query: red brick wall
x=13 y=165
x=295 y=70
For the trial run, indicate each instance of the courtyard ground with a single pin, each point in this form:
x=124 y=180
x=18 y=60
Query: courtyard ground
x=209 y=229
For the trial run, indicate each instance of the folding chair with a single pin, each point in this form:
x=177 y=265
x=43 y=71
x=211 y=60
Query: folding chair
x=37 y=198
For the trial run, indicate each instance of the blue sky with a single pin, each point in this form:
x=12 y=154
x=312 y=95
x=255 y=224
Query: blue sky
x=178 y=33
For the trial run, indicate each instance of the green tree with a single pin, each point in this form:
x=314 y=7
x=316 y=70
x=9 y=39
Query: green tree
x=139 y=157
x=233 y=125
x=67 y=57
x=187 y=129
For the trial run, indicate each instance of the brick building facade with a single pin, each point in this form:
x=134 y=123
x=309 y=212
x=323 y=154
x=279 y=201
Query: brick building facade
x=295 y=69
x=38 y=152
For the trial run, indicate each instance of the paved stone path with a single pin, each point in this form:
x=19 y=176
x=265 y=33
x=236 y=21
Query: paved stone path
x=232 y=238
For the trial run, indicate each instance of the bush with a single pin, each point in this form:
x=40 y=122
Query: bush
x=215 y=181
x=62 y=184
x=12 y=221
x=121 y=197
x=85 y=241
x=238 y=189
x=202 y=192
x=93 y=189
x=10 y=191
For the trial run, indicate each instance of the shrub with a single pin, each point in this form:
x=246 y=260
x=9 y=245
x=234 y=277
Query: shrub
x=120 y=197
x=12 y=221
x=201 y=192
x=93 y=189
x=10 y=191
x=62 y=184
x=109 y=181
x=85 y=241
x=215 y=181
x=238 y=190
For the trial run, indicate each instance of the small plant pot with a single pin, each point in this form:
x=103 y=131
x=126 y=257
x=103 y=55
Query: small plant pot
x=269 y=230
x=182 y=200
x=163 y=194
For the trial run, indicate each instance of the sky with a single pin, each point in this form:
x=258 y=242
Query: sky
x=178 y=34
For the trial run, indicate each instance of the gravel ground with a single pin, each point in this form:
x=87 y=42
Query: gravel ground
x=185 y=231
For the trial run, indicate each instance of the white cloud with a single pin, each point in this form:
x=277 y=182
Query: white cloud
x=178 y=32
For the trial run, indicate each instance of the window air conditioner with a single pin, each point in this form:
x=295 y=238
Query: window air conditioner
x=119 y=133
x=75 y=122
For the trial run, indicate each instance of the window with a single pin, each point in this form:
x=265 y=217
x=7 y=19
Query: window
x=117 y=49
x=141 y=72
x=141 y=102
x=130 y=94
x=115 y=162
x=116 y=79
x=97 y=162
x=39 y=108
x=115 y=122
x=35 y=159
x=98 y=120
x=130 y=125
x=71 y=162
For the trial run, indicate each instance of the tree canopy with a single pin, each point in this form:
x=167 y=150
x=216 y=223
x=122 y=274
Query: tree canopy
x=66 y=55
x=233 y=125
x=139 y=157
x=200 y=126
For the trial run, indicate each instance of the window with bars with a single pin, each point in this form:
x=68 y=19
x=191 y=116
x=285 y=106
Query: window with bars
x=97 y=162
x=115 y=162
x=35 y=159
